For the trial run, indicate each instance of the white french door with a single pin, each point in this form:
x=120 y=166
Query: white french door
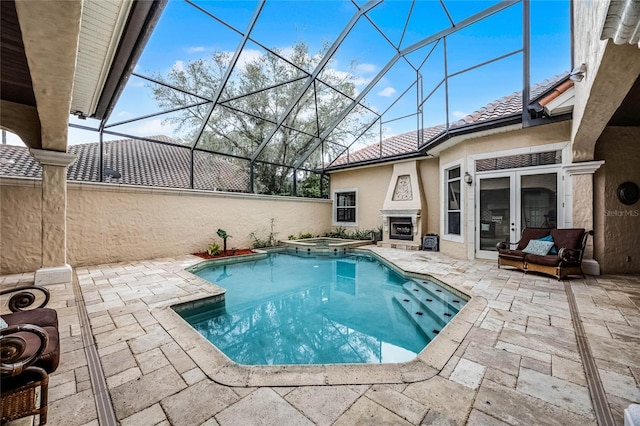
x=509 y=201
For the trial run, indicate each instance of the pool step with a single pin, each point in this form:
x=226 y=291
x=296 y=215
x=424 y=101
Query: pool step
x=434 y=298
x=427 y=322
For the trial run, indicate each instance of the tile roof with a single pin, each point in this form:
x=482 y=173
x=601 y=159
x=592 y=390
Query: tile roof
x=158 y=164
x=407 y=143
x=139 y=163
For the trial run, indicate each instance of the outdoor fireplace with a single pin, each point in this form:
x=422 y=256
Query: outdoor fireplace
x=400 y=228
x=402 y=209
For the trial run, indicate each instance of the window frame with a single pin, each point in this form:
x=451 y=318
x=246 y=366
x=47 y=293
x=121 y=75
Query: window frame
x=445 y=205
x=336 y=194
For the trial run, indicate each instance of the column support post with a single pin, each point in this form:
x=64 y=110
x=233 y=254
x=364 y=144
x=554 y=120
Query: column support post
x=578 y=202
x=54 y=268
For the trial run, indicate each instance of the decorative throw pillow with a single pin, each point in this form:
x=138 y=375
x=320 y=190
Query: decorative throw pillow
x=553 y=247
x=538 y=247
x=3 y=324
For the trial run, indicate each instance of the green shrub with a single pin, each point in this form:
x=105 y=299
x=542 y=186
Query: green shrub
x=269 y=241
x=213 y=249
x=356 y=234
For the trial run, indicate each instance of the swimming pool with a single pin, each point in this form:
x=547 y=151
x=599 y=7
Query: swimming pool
x=310 y=309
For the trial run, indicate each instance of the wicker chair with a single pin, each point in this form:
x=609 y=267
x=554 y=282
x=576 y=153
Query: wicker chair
x=29 y=352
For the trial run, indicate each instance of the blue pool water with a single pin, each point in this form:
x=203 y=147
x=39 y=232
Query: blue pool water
x=307 y=309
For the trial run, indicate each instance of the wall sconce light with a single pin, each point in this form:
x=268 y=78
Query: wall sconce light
x=577 y=74
x=467 y=178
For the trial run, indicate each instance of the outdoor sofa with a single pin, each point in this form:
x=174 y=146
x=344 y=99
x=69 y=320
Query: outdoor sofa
x=29 y=352
x=556 y=252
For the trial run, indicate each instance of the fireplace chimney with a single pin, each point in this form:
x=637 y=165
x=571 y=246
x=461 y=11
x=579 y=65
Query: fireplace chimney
x=402 y=208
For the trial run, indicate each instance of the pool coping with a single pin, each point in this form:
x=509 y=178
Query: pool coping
x=219 y=368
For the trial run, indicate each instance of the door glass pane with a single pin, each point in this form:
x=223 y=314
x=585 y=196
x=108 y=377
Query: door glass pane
x=495 y=212
x=539 y=195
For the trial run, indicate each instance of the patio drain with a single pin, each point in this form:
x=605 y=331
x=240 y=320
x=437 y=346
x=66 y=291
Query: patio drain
x=104 y=407
x=594 y=384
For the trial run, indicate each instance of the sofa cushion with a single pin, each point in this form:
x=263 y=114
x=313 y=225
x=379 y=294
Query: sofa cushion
x=538 y=247
x=568 y=238
x=548 y=260
x=512 y=254
x=553 y=248
x=43 y=317
x=531 y=234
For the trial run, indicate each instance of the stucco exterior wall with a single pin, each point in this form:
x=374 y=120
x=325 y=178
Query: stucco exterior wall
x=587 y=49
x=430 y=176
x=372 y=184
x=522 y=138
x=112 y=223
x=20 y=225
x=611 y=71
x=617 y=226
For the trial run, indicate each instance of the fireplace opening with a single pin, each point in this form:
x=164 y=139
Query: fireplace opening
x=400 y=228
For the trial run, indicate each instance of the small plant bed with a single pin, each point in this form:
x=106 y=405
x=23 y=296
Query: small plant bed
x=228 y=253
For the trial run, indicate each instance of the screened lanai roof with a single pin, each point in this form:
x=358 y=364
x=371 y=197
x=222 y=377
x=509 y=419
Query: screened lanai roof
x=286 y=87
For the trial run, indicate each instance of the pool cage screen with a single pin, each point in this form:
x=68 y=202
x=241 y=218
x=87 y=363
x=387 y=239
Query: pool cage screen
x=269 y=95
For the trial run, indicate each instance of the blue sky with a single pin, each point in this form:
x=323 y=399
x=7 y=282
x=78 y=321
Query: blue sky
x=184 y=34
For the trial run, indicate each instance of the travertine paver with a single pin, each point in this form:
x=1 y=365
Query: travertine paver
x=513 y=407
x=468 y=373
x=566 y=395
x=197 y=403
x=322 y=404
x=445 y=399
x=262 y=407
x=400 y=404
x=367 y=412
x=512 y=360
x=141 y=393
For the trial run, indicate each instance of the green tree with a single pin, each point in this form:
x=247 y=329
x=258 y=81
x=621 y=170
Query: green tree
x=254 y=97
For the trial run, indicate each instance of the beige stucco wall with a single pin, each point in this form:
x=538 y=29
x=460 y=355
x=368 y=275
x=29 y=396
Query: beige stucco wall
x=20 y=225
x=521 y=138
x=372 y=184
x=110 y=223
x=611 y=71
x=430 y=177
x=587 y=49
x=617 y=226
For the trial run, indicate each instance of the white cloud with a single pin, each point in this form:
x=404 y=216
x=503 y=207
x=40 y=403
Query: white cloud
x=357 y=80
x=366 y=68
x=387 y=91
x=247 y=56
x=388 y=132
x=178 y=66
x=152 y=128
x=196 y=49
x=459 y=114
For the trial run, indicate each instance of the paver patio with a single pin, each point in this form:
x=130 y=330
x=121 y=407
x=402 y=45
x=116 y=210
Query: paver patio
x=512 y=358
